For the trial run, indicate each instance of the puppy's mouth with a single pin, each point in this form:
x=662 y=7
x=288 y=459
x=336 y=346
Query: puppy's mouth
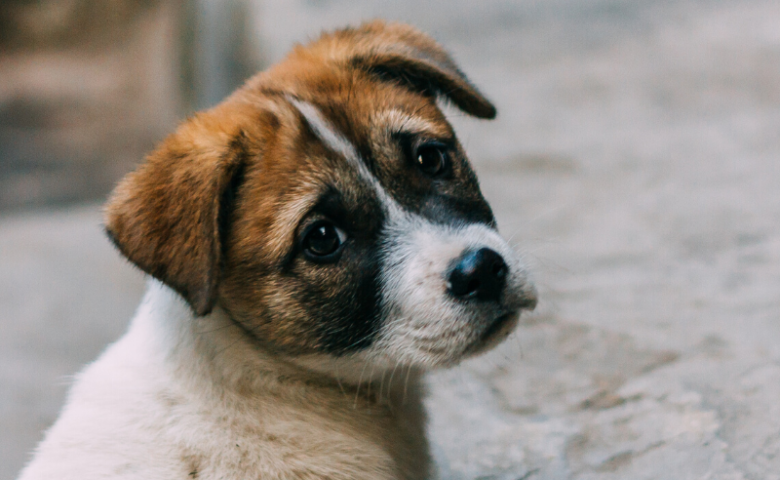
x=494 y=334
x=505 y=323
x=499 y=325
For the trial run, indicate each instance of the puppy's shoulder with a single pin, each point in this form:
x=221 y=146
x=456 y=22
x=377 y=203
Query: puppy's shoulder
x=115 y=410
x=134 y=414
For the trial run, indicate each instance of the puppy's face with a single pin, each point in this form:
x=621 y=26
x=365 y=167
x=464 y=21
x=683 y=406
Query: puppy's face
x=330 y=210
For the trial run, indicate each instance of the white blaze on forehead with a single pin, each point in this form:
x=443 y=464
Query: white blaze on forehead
x=339 y=144
x=324 y=130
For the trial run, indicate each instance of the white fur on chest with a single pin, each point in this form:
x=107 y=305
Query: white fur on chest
x=179 y=397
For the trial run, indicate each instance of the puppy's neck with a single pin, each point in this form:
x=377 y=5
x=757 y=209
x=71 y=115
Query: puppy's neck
x=214 y=352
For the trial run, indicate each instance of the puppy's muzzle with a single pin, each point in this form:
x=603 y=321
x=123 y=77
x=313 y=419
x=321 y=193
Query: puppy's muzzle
x=478 y=275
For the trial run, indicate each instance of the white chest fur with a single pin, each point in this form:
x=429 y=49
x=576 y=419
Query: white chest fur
x=180 y=397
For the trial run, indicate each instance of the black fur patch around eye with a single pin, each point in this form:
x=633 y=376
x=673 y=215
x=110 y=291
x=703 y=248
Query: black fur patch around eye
x=342 y=299
x=356 y=322
x=457 y=209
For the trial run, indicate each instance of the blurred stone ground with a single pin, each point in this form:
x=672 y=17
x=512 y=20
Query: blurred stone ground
x=635 y=162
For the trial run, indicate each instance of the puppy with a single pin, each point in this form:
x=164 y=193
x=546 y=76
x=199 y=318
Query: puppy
x=316 y=242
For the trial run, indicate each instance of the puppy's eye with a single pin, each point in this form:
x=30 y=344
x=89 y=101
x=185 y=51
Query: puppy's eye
x=322 y=241
x=432 y=159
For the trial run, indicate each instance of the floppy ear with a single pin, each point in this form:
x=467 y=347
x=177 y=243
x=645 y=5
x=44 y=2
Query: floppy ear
x=167 y=216
x=401 y=53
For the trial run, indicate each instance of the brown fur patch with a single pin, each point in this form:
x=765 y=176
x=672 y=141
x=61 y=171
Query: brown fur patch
x=393 y=52
x=164 y=216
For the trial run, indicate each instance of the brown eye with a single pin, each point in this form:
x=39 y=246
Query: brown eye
x=322 y=241
x=432 y=159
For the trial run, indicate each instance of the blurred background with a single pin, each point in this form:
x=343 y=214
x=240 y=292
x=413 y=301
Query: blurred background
x=635 y=163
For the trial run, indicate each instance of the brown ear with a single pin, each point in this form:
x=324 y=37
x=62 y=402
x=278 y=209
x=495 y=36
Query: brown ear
x=166 y=216
x=401 y=53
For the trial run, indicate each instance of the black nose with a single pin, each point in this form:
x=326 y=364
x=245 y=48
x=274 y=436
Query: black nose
x=479 y=274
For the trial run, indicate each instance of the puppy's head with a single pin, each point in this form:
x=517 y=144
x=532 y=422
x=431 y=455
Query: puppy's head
x=329 y=209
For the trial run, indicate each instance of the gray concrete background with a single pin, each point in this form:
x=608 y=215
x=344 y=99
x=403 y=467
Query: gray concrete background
x=636 y=164
x=87 y=87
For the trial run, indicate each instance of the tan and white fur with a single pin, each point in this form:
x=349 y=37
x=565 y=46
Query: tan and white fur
x=315 y=243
